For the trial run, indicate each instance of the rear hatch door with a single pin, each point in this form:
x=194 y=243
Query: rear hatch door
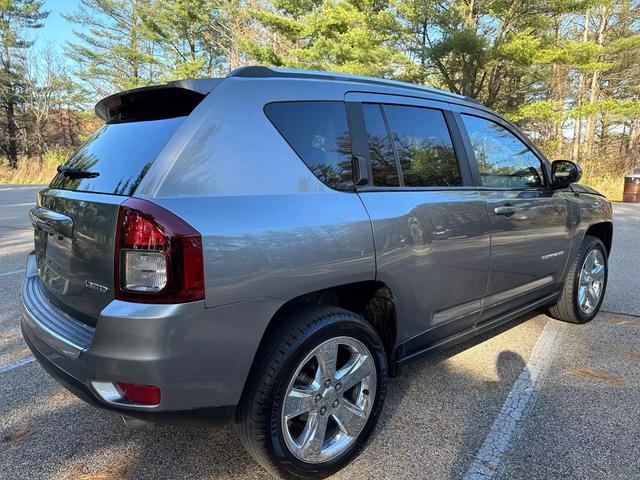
x=75 y=219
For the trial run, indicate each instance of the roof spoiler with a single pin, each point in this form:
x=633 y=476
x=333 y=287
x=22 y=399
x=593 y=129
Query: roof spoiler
x=172 y=99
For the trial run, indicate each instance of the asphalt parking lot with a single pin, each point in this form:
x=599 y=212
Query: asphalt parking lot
x=533 y=399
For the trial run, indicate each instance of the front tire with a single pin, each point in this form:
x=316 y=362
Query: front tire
x=585 y=285
x=315 y=394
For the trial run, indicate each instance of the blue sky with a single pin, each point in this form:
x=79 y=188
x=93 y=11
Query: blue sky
x=56 y=30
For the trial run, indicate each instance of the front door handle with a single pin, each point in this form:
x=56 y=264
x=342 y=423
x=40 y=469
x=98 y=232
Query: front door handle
x=505 y=210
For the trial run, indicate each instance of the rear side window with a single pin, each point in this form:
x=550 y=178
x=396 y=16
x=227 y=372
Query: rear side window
x=318 y=133
x=118 y=156
x=504 y=161
x=424 y=147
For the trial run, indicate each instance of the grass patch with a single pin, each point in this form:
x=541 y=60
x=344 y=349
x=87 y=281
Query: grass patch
x=605 y=176
x=30 y=171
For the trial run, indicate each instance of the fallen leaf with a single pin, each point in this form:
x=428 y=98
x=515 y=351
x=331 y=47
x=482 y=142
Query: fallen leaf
x=60 y=396
x=622 y=322
x=13 y=439
x=585 y=372
x=115 y=472
x=634 y=357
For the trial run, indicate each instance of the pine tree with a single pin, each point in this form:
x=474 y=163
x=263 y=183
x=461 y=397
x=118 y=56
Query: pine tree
x=351 y=36
x=15 y=17
x=113 y=54
x=188 y=34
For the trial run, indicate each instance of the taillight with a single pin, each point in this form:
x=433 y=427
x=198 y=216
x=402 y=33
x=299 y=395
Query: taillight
x=158 y=257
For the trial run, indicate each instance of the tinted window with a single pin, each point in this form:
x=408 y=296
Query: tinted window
x=504 y=161
x=424 y=146
x=318 y=133
x=383 y=162
x=121 y=154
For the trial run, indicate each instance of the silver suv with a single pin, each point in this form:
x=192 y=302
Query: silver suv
x=268 y=248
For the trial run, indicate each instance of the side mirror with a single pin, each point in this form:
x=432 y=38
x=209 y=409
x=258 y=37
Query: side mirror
x=564 y=173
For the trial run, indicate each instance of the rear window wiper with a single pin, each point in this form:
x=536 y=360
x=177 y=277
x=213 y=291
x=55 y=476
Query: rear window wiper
x=71 y=172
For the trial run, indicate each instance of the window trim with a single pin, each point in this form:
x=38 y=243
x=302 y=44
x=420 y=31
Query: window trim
x=392 y=142
x=458 y=111
x=454 y=133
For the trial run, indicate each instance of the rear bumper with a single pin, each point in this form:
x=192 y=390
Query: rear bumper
x=214 y=415
x=198 y=357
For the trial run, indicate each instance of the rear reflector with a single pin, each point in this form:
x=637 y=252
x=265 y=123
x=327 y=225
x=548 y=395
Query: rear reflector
x=143 y=394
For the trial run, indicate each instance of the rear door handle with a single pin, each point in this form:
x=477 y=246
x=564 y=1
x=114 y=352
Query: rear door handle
x=505 y=210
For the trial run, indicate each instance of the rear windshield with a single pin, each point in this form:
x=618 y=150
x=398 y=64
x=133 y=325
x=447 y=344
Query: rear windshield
x=120 y=154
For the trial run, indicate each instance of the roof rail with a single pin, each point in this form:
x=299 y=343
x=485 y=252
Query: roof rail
x=255 y=71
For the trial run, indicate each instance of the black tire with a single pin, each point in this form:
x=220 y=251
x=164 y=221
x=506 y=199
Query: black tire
x=258 y=417
x=566 y=308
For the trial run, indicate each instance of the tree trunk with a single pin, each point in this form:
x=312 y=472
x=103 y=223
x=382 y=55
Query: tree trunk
x=133 y=43
x=589 y=132
x=12 y=143
x=633 y=146
x=12 y=147
x=577 y=122
x=595 y=87
x=557 y=95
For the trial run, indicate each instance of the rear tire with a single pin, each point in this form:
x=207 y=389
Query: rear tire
x=290 y=367
x=585 y=284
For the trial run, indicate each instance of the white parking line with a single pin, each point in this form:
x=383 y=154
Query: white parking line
x=22 y=188
x=20 y=204
x=517 y=406
x=16 y=364
x=4 y=274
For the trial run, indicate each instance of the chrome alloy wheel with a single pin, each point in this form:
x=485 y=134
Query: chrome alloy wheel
x=591 y=282
x=328 y=400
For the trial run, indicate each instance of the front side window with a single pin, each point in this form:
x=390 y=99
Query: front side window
x=318 y=133
x=424 y=147
x=504 y=161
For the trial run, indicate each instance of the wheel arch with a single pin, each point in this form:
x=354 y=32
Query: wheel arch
x=373 y=300
x=603 y=231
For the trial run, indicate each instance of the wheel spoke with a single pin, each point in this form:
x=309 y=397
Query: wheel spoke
x=588 y=264
x=313 y=437
x=327 y=357
x=582 y=297
x=584 y=278
x=298 y=401
x=590 y=298
x=598 y=272
x=350 y=418
x=359 y=367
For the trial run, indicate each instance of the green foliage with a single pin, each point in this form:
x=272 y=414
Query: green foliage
x=189 y=33
x=565 y=70
x=358 y=37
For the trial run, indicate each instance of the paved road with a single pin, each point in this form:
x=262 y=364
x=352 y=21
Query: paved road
x=541 y=398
